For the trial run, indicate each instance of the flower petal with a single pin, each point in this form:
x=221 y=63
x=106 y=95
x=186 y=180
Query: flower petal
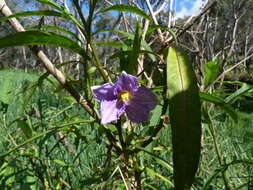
x=144 y=96
x=126 y=82
x=137 y=112
x=111 y=111
x=104 y=92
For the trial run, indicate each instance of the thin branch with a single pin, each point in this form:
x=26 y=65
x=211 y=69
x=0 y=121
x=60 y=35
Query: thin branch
x=47 y=63
x=160 y=34
x=228 y=70
x=181 y=32
x=165 y=2
x=57 y=73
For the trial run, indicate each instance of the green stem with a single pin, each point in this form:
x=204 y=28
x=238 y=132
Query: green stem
x=97 y=64
x=55 y=129
x=52 y=130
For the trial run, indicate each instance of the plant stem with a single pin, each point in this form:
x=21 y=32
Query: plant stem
x=100 y=68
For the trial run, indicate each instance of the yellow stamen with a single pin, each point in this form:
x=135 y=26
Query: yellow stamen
x=125 y=96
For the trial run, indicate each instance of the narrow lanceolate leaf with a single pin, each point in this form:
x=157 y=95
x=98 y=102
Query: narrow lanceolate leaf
x=133 y=61
x=33 y=13
x=40 y=38
x=62 y=14
x=127 y=8
x=184 y=110
x=144 y=44
x=219 y=101
x=51 y=4
x=241 y=91
x=54 y=28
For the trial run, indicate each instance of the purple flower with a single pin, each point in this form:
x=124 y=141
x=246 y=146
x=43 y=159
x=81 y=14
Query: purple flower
x=124 y=96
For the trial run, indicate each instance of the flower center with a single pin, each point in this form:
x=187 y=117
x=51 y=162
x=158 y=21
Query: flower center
x=125 y=96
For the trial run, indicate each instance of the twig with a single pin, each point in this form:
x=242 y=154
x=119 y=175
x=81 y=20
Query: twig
x=181 y=32
x=228 y=70
x=46 y=62
x=160 y=34
x=161 y=8
x=56 y=73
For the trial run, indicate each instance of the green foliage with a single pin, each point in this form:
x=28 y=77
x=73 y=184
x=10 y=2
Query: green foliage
x=211 y=69
x=131 y=37
x=40 y=38
x=131 y=66
x=47 y=141
x=238 y=93
x=220 y=102
x=184 y=111
x=54 y=28
x=126 y=8
x=32 y=13
x=153 y=28
x=51 y=4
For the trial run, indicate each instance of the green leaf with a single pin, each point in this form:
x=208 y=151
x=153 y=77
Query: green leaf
x=131 y=66
x=60 y=163
x=33 y=13
x=144 y=44
x=211 y=69
x=185 y=117
x=219 y=101
x=40 y=38
x=51 y=4
x=244 y=89
x=55 y=28
x=62 y=14
x=127 y=8
x=26 y=129
x=158 y=159
x=154 y=120
x=211 y=98
x=110 y=43
x=163 y=178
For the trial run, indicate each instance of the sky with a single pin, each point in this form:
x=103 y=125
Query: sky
x=185 y=8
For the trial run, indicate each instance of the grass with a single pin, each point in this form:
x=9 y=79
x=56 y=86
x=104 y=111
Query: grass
x=79 y=156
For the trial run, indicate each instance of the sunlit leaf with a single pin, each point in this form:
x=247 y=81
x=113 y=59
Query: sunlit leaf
x=244 y=89
x=60 y=163
x=33 y=13
x=154 y=120
x=185 y=117
x=211 y=71
x=40 y=38
x=54 y=28
x=51 y=4
x=131 y=36
x=131 y=66
x=161 y=177
x=126 y=8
